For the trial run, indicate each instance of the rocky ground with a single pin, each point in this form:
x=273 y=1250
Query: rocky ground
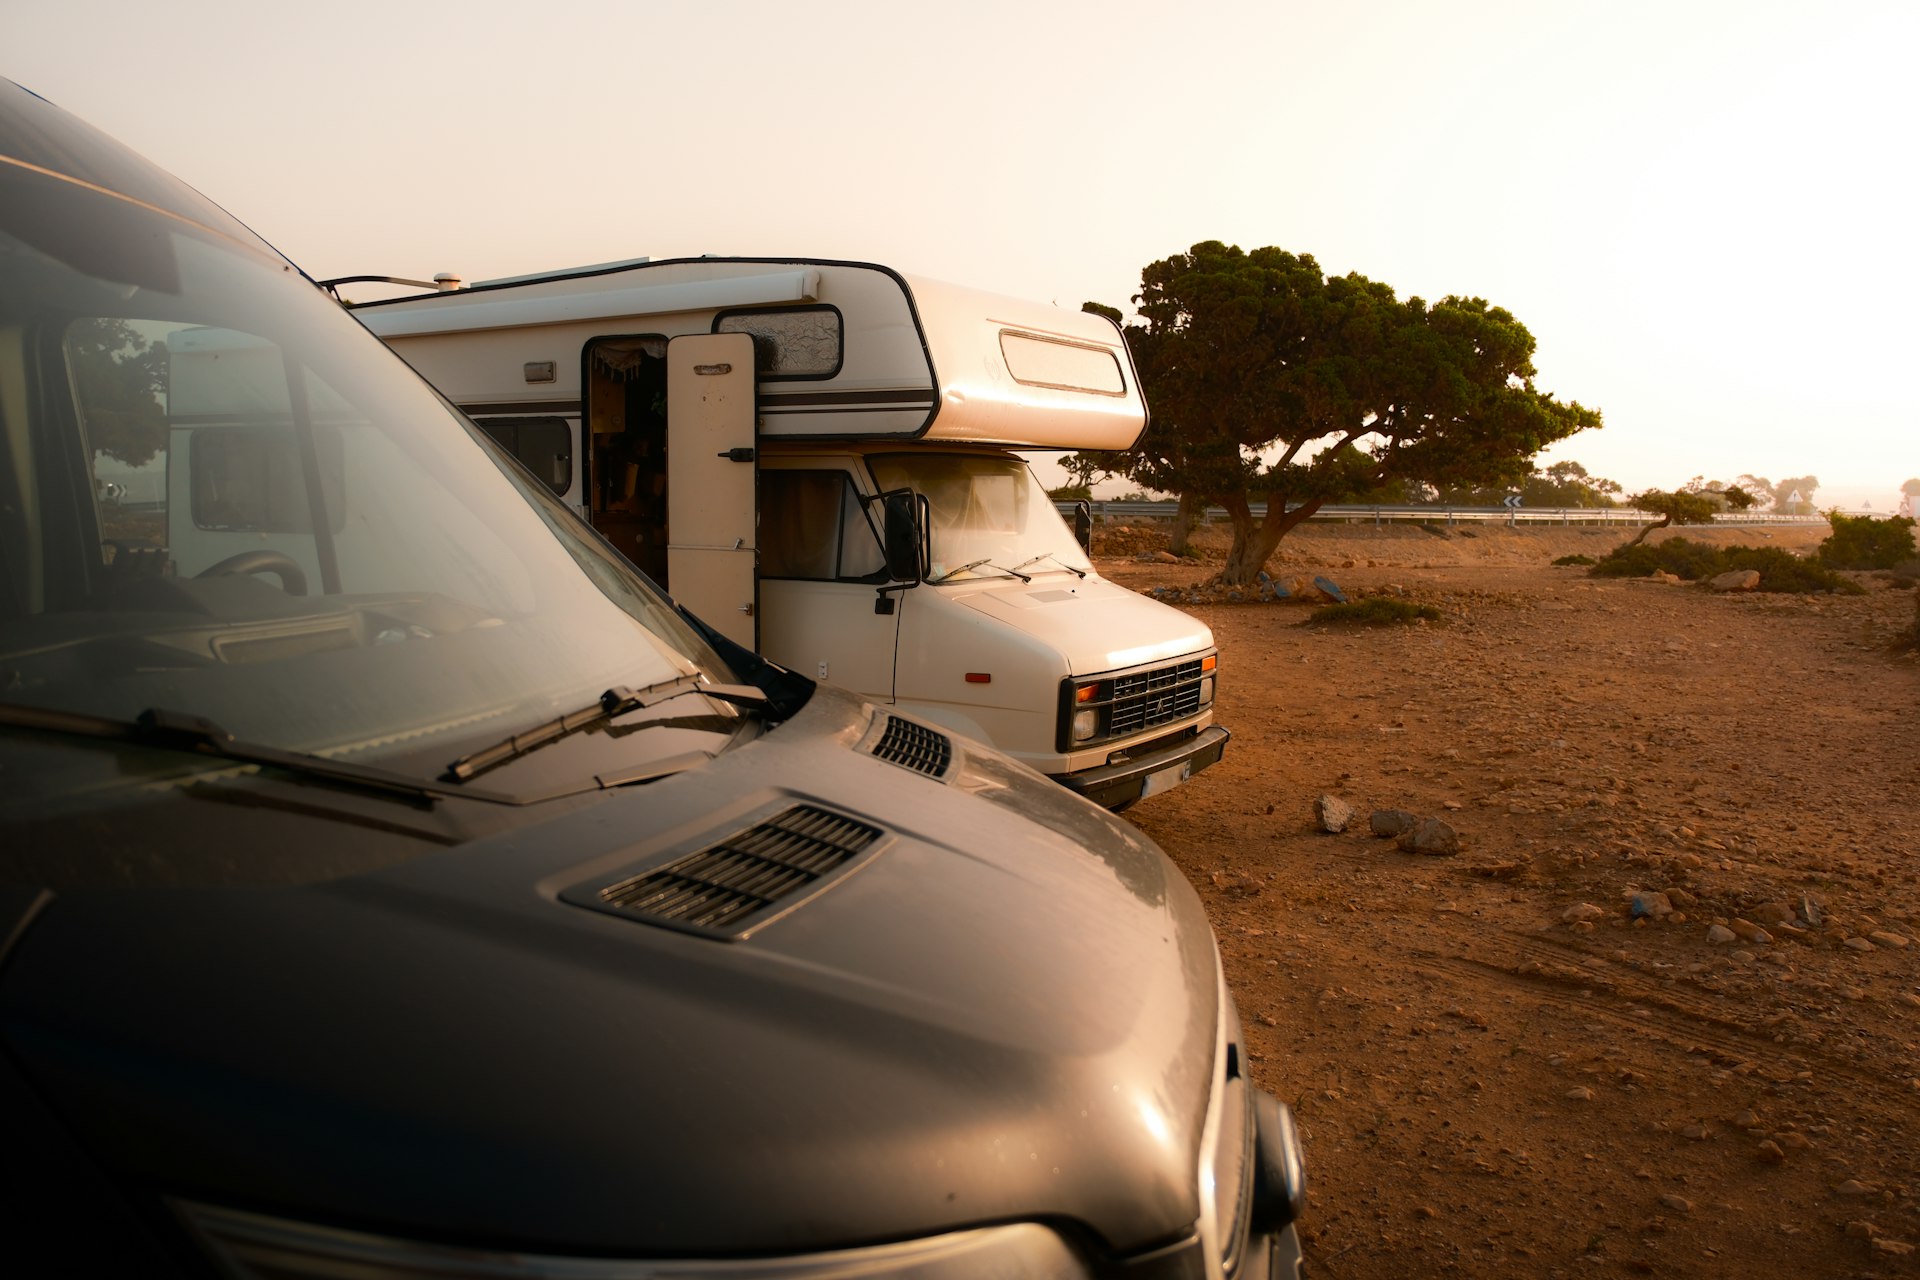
x=1499 y=1067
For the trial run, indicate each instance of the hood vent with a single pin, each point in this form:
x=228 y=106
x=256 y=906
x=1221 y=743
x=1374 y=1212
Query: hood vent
x=746 y=879
x=916 y=747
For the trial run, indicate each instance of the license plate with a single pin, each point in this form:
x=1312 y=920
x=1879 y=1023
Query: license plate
x=1166 y=779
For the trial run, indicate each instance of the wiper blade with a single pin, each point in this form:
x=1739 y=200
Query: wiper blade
x=1048 y=555
x=615 y=702
x=177 y=731
x=975 y=564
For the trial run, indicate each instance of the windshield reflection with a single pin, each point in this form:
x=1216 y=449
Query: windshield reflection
x=221 y=496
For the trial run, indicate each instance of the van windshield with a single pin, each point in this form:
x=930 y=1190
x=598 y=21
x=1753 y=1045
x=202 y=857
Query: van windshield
x=220 y=496
x=988 y=512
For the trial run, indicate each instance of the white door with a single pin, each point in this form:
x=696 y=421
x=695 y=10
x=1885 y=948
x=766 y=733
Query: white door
x=711 y=538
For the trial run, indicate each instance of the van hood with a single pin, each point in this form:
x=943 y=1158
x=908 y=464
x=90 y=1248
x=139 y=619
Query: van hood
x=1007 y=1012
x=1095 y=624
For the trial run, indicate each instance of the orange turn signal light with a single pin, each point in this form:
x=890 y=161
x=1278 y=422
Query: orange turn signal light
x=1086 y=693
x=1209 y=662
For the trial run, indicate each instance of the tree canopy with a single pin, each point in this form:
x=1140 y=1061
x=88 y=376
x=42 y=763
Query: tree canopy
x=1268 y=378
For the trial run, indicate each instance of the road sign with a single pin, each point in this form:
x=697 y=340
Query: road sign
x=1511 y=502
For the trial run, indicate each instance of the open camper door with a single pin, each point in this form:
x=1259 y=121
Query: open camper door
x=712 y=551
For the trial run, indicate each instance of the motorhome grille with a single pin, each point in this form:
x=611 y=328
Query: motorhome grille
x=1149 y=698
x=915 y=747
x=724 y=888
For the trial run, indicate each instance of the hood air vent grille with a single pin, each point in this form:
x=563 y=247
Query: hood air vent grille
x=727 y=888
x=915 y=747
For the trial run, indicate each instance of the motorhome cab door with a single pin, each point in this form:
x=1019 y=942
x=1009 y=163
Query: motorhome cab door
x=712 y=540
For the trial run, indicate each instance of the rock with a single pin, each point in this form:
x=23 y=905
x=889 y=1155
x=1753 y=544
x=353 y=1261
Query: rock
x=1793 y=1140
x=1748 y=931
x=1432 y=837
x=1332 y=813
x=1858 y=943
x=1582 y=911
x=1774 y=913
x=1887 y=938
x=1736 y=580
x=1863 y=1229
x=1909 y=999
x=1236 y=886
x=1746 y=1120
x=1579 y=1093
x=1810 y=908
x=1165 y=557
x=1681 y=899
x=1679 y=1204
x=1326 y=588
x=1769 y=1152
x=1720 y=933
x=1656 y=905
x=1890 y=1247
x=1661 y=575
x=1855 y=1189
x=1387 y=823
x=1697 y=1132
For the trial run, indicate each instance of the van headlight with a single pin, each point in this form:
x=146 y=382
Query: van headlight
x=252 y=1246
x=1085 y=724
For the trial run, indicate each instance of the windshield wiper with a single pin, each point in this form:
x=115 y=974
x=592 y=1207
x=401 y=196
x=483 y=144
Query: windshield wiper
x=1048 y=555
x=975 y=564
x=617 y=701
x=177 y=731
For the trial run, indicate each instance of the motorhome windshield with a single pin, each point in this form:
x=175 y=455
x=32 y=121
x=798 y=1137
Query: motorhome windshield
x=220 y=496
x=990 y=515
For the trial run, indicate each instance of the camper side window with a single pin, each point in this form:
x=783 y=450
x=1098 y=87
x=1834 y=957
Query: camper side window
x=814 y=526
x=543 y=446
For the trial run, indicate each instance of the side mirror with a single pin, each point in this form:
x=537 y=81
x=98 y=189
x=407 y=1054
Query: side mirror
x=1083 y=525
x=902 y=536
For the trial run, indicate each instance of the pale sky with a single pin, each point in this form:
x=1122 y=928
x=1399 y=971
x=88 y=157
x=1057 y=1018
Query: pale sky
x=1704 y=210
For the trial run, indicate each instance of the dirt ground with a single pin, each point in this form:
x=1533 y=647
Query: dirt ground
x=1487 y=1083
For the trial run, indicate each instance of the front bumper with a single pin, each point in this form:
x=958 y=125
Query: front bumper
x=1115 y=785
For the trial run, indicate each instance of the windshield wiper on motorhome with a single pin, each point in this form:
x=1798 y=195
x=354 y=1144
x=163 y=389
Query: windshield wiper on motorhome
x=617 y=701
x=1048 y=555
x=176 y=731
x=975 y=564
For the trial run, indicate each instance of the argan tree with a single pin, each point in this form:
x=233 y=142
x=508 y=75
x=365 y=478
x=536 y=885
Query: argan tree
x=1269 y=379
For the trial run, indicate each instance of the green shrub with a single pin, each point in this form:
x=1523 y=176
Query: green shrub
x=1779 y=570
x=1576 y=560
x=1680 y=556
x=1376 y=611
x=1863 y=542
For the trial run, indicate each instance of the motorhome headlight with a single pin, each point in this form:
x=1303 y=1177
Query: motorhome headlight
x=1206 y=691
x=1085 y=724
x=252 y=1246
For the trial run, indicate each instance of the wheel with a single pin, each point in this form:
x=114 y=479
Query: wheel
x=293 y=579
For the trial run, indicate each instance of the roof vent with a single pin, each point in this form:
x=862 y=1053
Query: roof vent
x=916 y=747
x=728 y=888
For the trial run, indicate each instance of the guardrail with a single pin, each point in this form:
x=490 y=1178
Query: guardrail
x=1516 y=516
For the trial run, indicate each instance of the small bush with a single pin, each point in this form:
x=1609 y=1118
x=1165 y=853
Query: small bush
x=1779 y=570
x=1863 y=542
x=1680 y=556
x=1576 y=560
x=1376 y=611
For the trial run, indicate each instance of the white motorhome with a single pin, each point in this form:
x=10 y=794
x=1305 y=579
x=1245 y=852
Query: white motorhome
x=818 y=458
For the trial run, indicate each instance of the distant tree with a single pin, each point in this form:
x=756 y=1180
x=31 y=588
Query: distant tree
x=1677 y=507
x=1270 y=379
x=1911 y=488
x=1760 y=487
x=1805 y=486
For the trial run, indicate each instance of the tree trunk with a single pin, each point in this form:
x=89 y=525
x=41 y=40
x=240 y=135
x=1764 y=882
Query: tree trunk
x=1640 y=537
x=1254 y=544
x=1192 y=507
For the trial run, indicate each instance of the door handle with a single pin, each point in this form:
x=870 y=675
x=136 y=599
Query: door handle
x=736 y=455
